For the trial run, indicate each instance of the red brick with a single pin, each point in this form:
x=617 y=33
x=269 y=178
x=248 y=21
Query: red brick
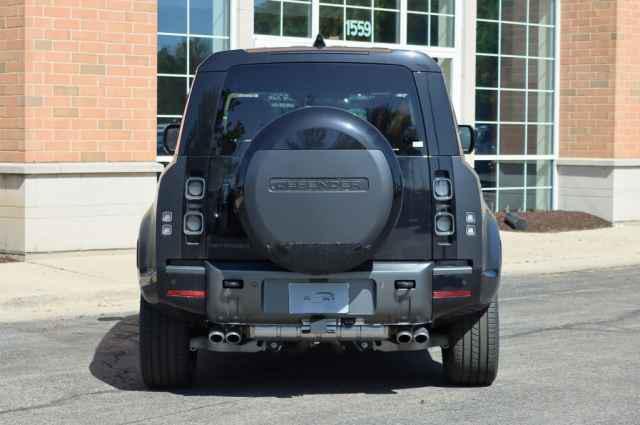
x=70 y=71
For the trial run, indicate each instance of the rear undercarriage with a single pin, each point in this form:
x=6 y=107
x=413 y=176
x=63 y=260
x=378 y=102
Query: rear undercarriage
x=257 y=338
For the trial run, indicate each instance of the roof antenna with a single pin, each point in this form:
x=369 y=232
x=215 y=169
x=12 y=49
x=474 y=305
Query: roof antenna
x=319 y=43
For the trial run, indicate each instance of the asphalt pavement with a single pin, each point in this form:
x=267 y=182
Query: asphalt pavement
x=570 y=354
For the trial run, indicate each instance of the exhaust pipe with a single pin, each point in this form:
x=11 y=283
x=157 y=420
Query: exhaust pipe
x=421 y=336
x=216 y=337
x=274 y=346
x=233 y=337
x=329 y=333
x=404 y=337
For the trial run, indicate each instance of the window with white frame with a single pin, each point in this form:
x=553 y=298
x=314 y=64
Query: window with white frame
x=188 y=32
x=375 y=21
x=431 y=22
x=289 y=18
x=423 y=25
x=515 y=100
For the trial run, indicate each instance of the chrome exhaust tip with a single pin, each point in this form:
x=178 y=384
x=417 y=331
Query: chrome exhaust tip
x=421 y=336
x=216 y=337
x=404 y=337
x=233 y=337
x=274 y=346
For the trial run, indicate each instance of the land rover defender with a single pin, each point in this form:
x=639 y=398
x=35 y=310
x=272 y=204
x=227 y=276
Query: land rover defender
x=318 y=195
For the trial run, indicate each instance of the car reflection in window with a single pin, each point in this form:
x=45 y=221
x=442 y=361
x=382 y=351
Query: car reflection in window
x=391 y=113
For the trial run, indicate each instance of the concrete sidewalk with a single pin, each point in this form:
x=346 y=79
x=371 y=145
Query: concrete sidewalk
x=530 y=253
x=105 y=283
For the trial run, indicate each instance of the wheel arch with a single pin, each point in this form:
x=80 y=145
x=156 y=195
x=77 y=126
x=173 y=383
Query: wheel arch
x=145 y=249
x=493 y=244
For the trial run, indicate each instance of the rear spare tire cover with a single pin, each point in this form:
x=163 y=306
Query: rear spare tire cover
x=318 y=190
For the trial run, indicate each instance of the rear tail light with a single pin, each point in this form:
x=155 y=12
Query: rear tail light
x=445 y=224
x=167 y=230
x=167 y=216
x=469 y=218
x=186 y=293
x=442 y=295
x=444 y=220
x=167 y=223
x=194 y=188
x=193 y=223
x=442 y=189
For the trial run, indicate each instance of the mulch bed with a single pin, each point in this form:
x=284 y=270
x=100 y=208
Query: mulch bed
x=7 y=260
x=556 y=221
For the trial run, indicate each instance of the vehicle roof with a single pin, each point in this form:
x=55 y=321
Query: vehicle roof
x=411 y=59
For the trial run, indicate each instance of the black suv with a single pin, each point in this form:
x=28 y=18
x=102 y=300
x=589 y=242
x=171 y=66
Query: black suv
x=318 y=195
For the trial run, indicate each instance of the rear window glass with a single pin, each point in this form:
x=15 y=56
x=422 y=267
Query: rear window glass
x=255 y=95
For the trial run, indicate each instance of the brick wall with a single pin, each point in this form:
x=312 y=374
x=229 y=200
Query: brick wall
x=12 y=80
x=587 y=78
x=600 y=79
x=90 y=86
x=627 y=107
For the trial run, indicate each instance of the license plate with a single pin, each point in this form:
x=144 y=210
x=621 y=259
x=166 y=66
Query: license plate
x=318 y=298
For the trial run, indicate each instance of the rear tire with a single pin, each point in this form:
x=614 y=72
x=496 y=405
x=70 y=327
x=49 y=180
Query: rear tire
x=165 y=358
x=474 y=345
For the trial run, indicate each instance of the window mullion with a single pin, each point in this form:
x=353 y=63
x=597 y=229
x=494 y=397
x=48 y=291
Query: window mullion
x=429 y=42
x=403 y=21
x=526 y=106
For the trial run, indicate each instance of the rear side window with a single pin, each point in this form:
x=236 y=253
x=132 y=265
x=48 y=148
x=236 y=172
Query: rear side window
x=384 y=95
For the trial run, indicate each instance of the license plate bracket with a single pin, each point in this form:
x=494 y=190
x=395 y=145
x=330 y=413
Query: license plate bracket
x=318 y=298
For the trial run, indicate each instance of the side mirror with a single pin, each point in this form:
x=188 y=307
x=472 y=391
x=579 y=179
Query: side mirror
x=170 y=138
x=468 y=136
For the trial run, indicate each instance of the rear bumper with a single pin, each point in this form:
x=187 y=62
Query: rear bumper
x=435 y=293
x=479 y=287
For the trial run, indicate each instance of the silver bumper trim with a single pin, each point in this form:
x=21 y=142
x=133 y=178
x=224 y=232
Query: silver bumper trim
x=319 y=331
x=452 y=270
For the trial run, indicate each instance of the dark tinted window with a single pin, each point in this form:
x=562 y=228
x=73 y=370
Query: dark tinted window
x=255 y=95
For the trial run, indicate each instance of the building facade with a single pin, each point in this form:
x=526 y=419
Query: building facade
x=86 y=87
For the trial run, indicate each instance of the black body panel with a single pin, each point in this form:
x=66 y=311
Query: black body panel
x=412 y=60
x=409 y=240
x=178 y=262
